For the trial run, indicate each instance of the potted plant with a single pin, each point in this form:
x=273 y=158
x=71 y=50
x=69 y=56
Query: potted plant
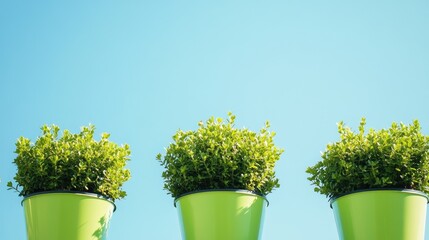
x=219 y=177
x=69 y=183
x=377 y=182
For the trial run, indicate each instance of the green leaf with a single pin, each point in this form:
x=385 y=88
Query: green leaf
x=74 y=162
x=397 y=157
x=217 y=155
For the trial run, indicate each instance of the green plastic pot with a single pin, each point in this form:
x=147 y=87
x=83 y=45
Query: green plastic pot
x=381 y=215
x=221 y=214
x=67 y=216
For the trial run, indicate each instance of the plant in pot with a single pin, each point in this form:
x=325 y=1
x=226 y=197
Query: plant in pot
x=377 y=182
x=219 y=177
x=69 y=183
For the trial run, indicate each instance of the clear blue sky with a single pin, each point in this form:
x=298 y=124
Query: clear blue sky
x=140 y=70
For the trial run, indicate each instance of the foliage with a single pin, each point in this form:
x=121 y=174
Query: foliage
x=397 y=157
x=72 y=162
x=219 y=156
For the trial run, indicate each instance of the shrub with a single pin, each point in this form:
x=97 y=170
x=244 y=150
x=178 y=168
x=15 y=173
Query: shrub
x=72 y=162
x=219 y=156
x=397 y=157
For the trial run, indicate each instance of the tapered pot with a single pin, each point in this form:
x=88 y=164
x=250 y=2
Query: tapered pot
x=221 y=214
x=397 y=214
x=67 y=216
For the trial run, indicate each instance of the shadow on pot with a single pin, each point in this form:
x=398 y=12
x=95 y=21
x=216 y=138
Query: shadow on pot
x=101 y=232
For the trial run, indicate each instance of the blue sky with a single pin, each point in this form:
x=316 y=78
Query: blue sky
x=140 y=70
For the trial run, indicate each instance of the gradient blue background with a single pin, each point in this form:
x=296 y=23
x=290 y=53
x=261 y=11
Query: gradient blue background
x=140 y=70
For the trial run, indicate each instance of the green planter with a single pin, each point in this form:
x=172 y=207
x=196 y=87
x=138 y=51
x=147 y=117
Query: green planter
x=67 y=216
x=221 y=214
x=381 y=215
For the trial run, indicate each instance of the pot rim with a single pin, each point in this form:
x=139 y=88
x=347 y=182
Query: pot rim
x=90 y=194
x=417 y=192
x=222 y=190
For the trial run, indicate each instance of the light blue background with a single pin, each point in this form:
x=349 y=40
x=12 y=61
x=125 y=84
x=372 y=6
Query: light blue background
x=140 y=70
